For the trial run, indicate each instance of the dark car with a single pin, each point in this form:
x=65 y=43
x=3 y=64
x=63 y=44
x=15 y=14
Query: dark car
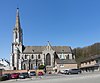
x=32 y=73
x=7 y=75
x=22 y=76
x=73 y=71
x=26 y=74
x=15 y=75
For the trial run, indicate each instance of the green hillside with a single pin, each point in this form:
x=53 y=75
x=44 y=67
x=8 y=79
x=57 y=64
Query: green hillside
x=85 y=52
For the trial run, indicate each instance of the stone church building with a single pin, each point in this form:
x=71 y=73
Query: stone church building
x=30 y=57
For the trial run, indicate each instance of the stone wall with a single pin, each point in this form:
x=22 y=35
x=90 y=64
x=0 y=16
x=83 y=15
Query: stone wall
x=18 y=71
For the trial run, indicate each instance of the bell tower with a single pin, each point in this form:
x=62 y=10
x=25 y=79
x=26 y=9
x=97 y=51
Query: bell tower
x=17 y=43
x=17 y=31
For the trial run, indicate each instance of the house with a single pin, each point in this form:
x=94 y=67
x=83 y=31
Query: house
x=91 y=64
x=4 y=64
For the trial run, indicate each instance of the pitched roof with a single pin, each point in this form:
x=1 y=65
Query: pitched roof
x=65 y=61
x=60 y=49
x=91 y=58
x=39 y=49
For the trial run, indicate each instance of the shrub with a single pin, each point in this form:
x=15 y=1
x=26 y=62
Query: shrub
x=41 y=67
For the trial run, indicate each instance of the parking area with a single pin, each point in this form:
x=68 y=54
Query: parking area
x=54 y=76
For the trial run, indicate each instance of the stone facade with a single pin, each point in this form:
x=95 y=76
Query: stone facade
x=29 y=57
x=91 y=64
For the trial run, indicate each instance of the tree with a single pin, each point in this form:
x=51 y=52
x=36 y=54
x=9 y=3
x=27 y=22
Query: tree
x=41 y=66
x=86 y=52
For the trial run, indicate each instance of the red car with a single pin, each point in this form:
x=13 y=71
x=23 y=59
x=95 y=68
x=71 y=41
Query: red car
x=40 y=73
x=15 y=75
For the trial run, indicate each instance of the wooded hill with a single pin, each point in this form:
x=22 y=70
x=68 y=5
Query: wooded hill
x=86 y=52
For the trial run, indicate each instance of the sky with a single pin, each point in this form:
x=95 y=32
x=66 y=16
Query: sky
x=74 y=23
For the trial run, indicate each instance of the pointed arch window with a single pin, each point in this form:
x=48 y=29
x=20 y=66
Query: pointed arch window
x=18 y=56
x=67 y=57
x=39 y=56
x=25 y=56
x=32 y=56
x=24 y=67
x=60 y=56
x=31 y=66
x=16 y=35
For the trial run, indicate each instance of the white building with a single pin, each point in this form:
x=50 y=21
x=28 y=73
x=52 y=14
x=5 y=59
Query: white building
x=28 y=57
x=4 y=64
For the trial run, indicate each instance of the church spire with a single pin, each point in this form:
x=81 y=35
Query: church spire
x=17 y=25
x=17 y=31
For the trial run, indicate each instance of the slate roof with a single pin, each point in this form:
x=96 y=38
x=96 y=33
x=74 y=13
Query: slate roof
x=65 y=61
x=60 y=49
x=39 y=49
x=91 y=58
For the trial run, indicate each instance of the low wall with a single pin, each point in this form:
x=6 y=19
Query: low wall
x=19 y=71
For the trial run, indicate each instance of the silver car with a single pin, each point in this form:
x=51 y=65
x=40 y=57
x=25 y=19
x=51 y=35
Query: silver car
x=73 y=71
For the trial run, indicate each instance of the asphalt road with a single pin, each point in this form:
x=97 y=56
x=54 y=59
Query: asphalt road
x=80 y=78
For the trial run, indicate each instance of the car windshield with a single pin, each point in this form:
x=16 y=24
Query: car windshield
x=32 y=72
x=14 y=73
x=74 y=69
x=21 y=74
x=25 y=73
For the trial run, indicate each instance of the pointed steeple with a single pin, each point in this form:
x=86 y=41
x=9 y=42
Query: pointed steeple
x=49 y=47
x=17 y=25
x=17 y=31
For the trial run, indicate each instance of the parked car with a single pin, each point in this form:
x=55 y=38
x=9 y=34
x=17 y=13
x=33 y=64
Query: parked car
x=26 y=74
x=22 y=76
x=3 y=78
x=40 y=73
x=73 y=71
x=63 y=71
x=32 y=73
x=15 y=75
x=7 y=75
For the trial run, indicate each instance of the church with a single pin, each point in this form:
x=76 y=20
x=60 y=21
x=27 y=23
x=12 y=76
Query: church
x=31 y=57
